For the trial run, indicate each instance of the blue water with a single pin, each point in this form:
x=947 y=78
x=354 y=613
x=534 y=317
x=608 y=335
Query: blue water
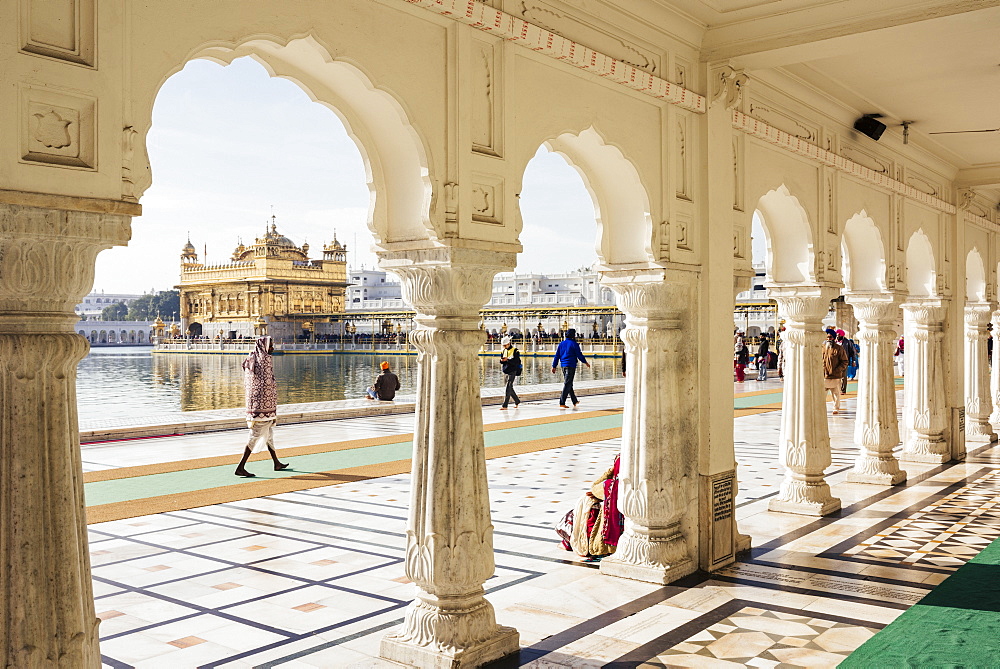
x=125 y=382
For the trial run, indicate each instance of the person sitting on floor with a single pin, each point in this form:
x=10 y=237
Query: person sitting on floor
x=592 y=529
x=385 y=386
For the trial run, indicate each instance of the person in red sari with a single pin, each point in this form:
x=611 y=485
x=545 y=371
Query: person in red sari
x=592 y=529
x=262 y=404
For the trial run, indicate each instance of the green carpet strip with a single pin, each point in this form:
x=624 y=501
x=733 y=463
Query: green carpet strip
x=190 y=480
x=956 y=625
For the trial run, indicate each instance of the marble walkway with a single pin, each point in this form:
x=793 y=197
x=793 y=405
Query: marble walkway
x=314 y=578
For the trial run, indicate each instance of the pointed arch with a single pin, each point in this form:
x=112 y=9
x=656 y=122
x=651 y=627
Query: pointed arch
x=790 y=258
x=621 y=201
x=921 y=273
x=397 y=164
x=975 y=277
x=864 y=254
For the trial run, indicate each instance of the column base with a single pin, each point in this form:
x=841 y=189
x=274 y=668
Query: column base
x=805 y=508
x=505 y=642
x=980 y=433
x=876 y=471
x=742 y=542
x=923 y=449
x=881 y=478
x=649 y=573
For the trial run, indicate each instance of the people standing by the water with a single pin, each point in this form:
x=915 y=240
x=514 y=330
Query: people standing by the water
x=567 y=355
x=510 y=365
x=593 y=528
x=741 y=358
x=763 y=357
x=262 y=404
x=385 y=386
x=834 y=367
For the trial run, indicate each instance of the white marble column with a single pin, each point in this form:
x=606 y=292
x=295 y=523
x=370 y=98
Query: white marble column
x=658 y=477
x=449 y=537
x=978 y=405
x=876 y=428
x=924 y=407
x=804 y=446
x=46 y=267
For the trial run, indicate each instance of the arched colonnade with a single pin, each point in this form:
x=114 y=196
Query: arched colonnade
x=675 y=174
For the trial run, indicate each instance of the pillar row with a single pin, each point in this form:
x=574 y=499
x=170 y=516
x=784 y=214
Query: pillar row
x=46 y=600
x=995 y=371
x=876 y=429
x=658 y=479
x=924 y=405
x=978 y=404
x=804 y=446
x=449 y=535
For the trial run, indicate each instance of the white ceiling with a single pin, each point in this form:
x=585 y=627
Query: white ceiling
x=933 y=62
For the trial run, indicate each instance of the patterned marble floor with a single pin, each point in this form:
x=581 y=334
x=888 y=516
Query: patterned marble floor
x=315 y=578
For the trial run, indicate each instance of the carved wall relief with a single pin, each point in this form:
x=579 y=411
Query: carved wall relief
x=683 y=226
x=484 y=104
x=683 y=168
x=487 y=198
x=738 y=203
x=783 y=121
x=681 y=69
x=62 y=29
x=664 y=231
x=831 y=204
x=571 y=28
x=58 y=128
x=865 y=158
x=922 y=184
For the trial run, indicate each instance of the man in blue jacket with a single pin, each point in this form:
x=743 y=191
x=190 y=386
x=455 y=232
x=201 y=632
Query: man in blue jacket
x=567 y=355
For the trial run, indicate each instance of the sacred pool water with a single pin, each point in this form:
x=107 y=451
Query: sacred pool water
x=128 y=382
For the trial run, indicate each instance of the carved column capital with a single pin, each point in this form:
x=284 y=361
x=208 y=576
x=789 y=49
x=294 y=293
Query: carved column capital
x=927 y=314
x=979 y=314
x=728 y=85
x=447 y=282
x=874 y=309
x=802 y=306
x=47 y=263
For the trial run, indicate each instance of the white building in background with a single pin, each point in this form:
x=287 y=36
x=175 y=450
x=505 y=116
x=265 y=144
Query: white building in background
x=94 y=303
x=570 y=289
x=375 y=290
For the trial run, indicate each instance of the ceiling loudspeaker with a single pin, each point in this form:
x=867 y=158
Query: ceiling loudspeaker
x=870 y=126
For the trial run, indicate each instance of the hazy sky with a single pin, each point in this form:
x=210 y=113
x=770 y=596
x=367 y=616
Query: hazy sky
x=227 y=143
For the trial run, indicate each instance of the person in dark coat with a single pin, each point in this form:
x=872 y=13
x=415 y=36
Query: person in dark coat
x=567 y=356
x=385 y=386
x=510 y=365
x=763 y=356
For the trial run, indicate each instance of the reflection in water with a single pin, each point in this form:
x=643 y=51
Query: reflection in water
x=124 y=382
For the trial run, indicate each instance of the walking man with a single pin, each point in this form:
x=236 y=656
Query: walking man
x=385 y=386
x=510 y=365
x=834 y=367
x=262 y=404
x=567 y=355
